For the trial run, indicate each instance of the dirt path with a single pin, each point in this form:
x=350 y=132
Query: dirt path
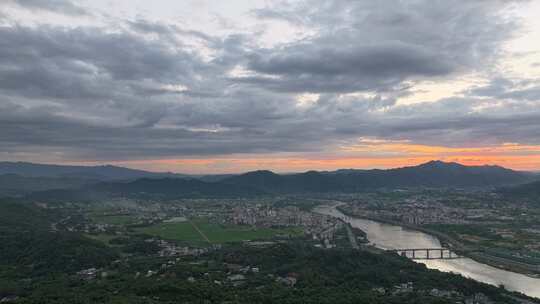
x=200 y=232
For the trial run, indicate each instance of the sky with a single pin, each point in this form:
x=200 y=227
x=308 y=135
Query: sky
x=199 y=87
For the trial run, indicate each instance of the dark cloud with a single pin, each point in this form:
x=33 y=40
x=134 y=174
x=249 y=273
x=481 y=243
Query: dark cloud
x=503 y=88
x=140 y=89
x=45 y=129
x=85 y=65
x=453 y=122
x=57 y=6
x=329 y=69
x=531 y=94
x=366 y=45
x=149 y=27
x=377 y=61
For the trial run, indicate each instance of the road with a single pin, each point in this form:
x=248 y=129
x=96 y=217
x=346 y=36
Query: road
x=352 y=237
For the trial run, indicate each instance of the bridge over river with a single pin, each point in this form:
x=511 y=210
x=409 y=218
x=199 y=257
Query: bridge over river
x=441 y=253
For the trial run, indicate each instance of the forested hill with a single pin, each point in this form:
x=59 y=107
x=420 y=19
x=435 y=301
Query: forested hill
x=148 y=188
x=525 y=191
x=16 y=185
x=175 y=188
x=23 y=216
x=103 y=173
x=19 y=178
x=30 y=248
x=435 y=174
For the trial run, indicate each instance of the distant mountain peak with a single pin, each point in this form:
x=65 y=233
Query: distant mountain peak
x=440 y=164
x=260 y=173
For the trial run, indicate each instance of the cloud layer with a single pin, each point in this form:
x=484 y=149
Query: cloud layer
x=114 y=88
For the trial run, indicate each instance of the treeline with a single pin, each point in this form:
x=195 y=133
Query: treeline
x=29 y=247
x=324 y=276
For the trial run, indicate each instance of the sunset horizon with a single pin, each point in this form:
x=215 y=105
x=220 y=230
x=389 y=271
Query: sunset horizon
x=164 y=166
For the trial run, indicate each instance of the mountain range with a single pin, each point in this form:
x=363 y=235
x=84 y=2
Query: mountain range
x=22 y=178
x=434 y=174
x=97 y=173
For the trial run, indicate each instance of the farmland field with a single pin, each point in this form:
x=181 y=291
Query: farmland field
x=183 y=231
x=216 y=233
x=113 y=219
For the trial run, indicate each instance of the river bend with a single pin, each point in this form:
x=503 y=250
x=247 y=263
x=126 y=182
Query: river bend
x=387 y=236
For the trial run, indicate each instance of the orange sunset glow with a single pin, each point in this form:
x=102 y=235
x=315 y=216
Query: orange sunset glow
x=382 y=155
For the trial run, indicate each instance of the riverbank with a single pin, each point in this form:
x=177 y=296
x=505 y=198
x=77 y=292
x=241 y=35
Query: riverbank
x=481 y=257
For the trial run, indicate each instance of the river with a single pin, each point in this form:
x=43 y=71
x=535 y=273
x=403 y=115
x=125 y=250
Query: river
x=387 y=236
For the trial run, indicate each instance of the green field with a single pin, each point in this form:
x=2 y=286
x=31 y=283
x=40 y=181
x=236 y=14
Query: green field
x=216 y=233
x=113 y=219
x=182 y=231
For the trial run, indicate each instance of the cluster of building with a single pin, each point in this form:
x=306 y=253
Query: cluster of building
x=320 y=227
x=404 y=288
x=499 y=221
x=268 y=216
x=423 y=211
x=289 y=280
x=170 y=249
x=238 y=275
x=9 y=299
x=91 y=274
